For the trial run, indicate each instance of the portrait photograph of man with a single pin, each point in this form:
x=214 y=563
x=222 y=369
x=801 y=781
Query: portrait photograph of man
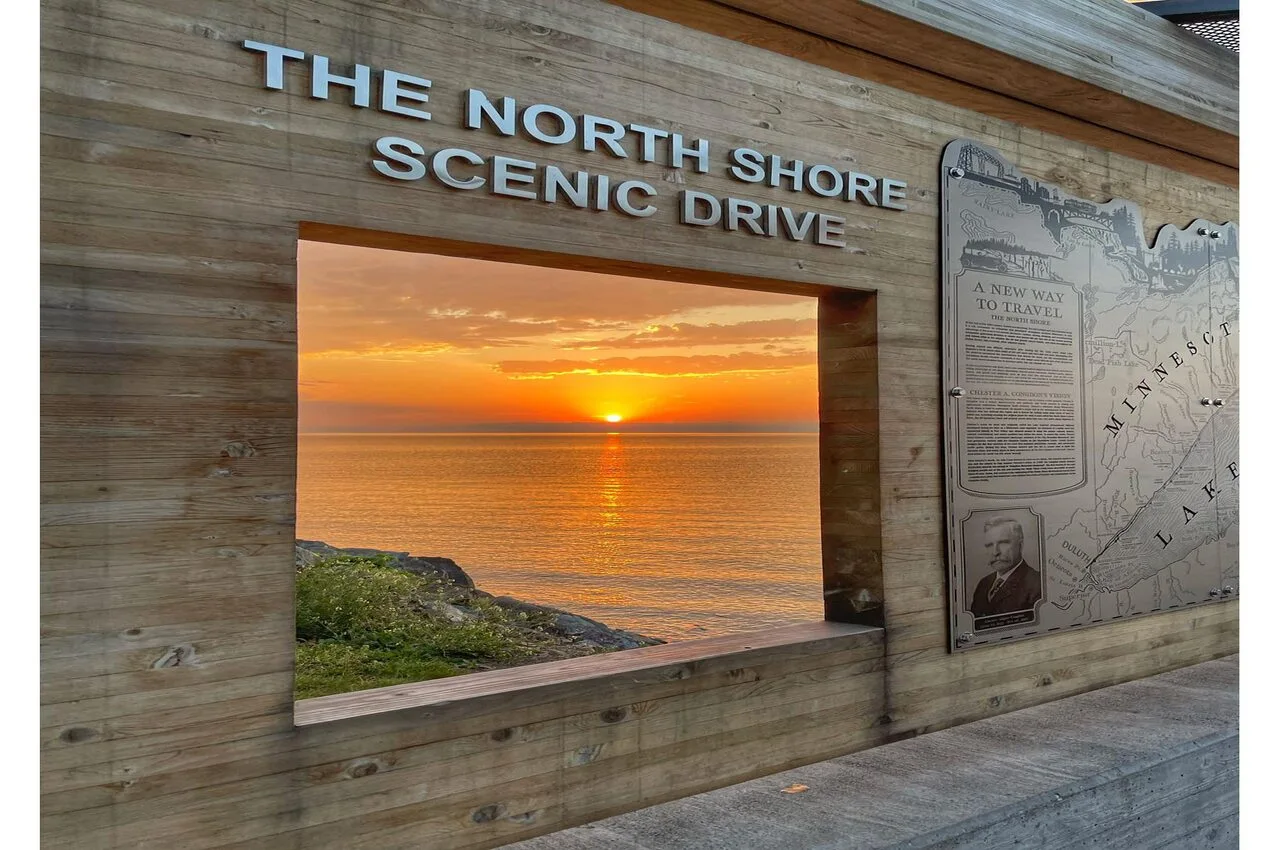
x=1008 y=586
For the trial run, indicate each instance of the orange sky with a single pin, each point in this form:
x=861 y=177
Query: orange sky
x=390 y=341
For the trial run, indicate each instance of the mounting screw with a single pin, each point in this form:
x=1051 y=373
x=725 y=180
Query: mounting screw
x=964 y=637
x=1228 y=590
x=1203 y=231
x=1205 y=402
x=956 y=172
x=1215 y=593
x=1217 y=402
x=1214 y=234
x=957 y=392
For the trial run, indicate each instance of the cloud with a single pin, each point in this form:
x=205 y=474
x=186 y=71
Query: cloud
x=675 y=366
x=415 y=333
x=355 y=298
x=387 y=351
x=686 y=335
x=398 y=341
x=320 y=415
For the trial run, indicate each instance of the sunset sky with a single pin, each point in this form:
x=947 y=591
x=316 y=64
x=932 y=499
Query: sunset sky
x=397 y=342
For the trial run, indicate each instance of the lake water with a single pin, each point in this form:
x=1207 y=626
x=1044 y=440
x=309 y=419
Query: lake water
x=670 y=535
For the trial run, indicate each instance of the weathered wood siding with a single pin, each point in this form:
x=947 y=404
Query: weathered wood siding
x=173 y=190
x=1103 y=61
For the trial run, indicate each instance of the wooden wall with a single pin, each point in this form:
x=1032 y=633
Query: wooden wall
x=173 y=190
x=1103 y=61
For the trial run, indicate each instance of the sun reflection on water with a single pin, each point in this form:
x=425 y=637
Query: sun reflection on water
x=674 y=536
x=612 y=473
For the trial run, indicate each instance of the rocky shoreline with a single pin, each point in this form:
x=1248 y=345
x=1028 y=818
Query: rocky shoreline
x=570 y=635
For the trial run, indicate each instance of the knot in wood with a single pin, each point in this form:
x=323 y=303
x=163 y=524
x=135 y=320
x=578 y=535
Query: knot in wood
x=502 y=735
x=487 y=814
x=183 y=655
x=239 y=448
x=613 y=715
x=78 y=735
x=363 y=767
x=586 y=755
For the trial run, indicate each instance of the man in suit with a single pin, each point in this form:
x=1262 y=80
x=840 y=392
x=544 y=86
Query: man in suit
x=1011 y=585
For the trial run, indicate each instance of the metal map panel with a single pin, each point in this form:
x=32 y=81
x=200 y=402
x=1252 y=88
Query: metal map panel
x=1091 y=406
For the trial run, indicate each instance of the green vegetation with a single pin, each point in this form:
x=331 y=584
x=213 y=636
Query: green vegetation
x=362 y=623
x=336 y=668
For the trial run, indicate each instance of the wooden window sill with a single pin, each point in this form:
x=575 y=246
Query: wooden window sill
x=535 y=684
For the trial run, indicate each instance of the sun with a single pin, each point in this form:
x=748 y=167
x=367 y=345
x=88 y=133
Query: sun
x=613 y=417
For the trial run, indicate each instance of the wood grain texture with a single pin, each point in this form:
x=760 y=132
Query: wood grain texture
x=799 y=42
x=174 y=189
x=534 y=685
x=1103 y=61
x=849 y=405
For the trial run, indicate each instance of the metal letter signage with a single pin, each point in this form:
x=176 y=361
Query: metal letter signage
x=404 y=159
x=1091 y=406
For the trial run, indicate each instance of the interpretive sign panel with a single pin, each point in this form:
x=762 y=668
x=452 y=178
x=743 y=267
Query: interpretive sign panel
x=1091 y=406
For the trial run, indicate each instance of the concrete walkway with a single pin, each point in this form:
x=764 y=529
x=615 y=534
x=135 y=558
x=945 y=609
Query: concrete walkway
x=1147 y=764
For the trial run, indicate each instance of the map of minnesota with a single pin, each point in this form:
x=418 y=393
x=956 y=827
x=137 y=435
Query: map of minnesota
x=1092 y=403
x=1179 y=518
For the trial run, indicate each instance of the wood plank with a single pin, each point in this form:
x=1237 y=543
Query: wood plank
x=797 y=41
x=403 y=776
x=327 y=742
x=1107 y=63
x=656 y=663
x=469 y=733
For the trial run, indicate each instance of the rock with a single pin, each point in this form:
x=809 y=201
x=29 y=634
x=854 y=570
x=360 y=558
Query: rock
x=445 y=611
x=581 y=629
x=513 y=604
x=446 y=568
x=591 y=631
x=582 y=634
x=309 y=551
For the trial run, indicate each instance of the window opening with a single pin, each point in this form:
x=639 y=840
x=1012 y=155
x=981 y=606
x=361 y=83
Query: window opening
x=501 y=464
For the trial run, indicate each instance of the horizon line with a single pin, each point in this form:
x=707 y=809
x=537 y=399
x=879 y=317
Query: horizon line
x=571 y=428
x=530 y=433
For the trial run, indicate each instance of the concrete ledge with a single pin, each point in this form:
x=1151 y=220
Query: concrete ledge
x=1148 y=764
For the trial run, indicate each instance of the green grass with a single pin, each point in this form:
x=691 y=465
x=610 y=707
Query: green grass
x=361 y=623
x=336 y=668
